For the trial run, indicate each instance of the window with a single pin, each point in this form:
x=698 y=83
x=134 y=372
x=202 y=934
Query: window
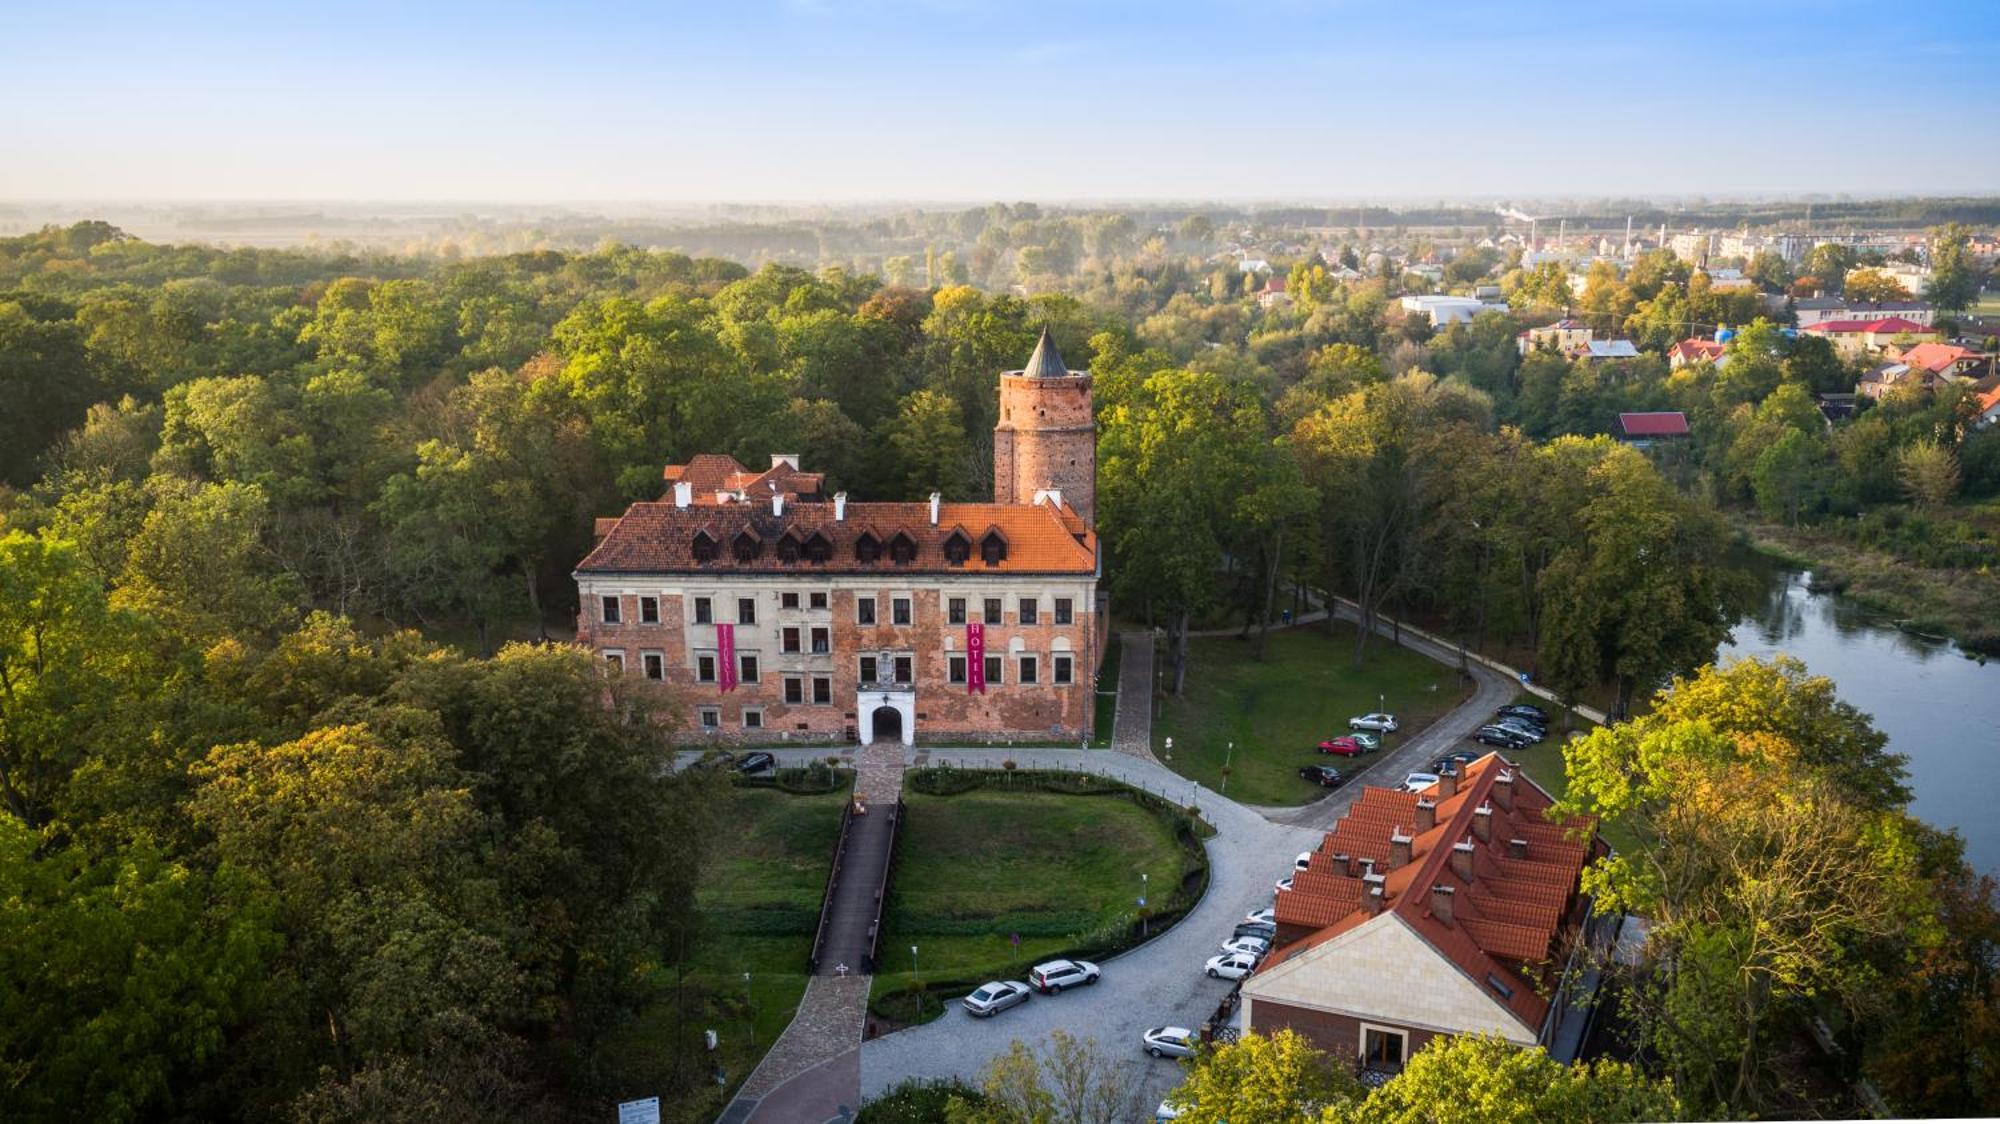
x=899 y=610
x=904 y=668
x=753 y=719
x=1063 y=611
x=746 y=610
x=1031 y=610
x=993 y=610
x=902 y=549
x=788 y=601
x=1499 y=986
x=616 y=660
x=956 y=610
x=864 y=610
x=816 y=600
x=1381 y=1049
x=649 y=610
x=867 y=549
x=819 y=550
x=704 y=668
x=654 y=664
x=1063 y=669
x=747 y=547
x=993 y=548
x=747 y=668
x=788 y=548
x=955 y=669
x=868 y=669
x=795 y=689
x=610 y=610
x=1030 y=673
x=957 y=549
x=704 y=611
x=822 y=689
x=788 y=639
x=994 y=665
x=704 y=547
x=822 y=641
x=711 y=718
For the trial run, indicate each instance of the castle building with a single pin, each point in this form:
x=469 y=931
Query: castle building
x=776 y=613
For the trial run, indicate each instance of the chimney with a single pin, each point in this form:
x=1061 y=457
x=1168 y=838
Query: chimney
x=789 y=460
x=1482 y=822
x=1517 y=848
x=1371 y=892
x=683 y=493
x=1461 y=860
x=1344 y=865
x=777 y=503
x=839 y=507
x=1367 y=868
x=1441 y=896
x=1427 y=814
x=1503 y=789
x=1447 y=785
x=936 y=499
x=1399 y=849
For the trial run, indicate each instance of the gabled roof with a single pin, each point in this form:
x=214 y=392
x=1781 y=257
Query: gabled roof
x=1696 y=349
x=1888 y=325
x=1660 y=423
x=714 y=477
x=1612 y=349
x=1505 y=919
x=1938 y=358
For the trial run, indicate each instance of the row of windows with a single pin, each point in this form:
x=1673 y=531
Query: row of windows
x=1028 y=610
x=901 y=669
x=818 y=549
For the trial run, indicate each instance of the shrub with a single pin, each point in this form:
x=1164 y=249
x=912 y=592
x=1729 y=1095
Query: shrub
x=917 y=1101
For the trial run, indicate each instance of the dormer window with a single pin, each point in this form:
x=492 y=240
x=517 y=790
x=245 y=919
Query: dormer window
x=867 y=549
x=704 y=548
x=902 y=549
x=993 y=548
x=957 y=548
x=747 y=547
x=819 y=549
x=788 y=548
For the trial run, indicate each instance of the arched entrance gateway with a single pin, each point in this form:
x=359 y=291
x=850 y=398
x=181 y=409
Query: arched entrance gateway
x=888 y=716
x=888 y=724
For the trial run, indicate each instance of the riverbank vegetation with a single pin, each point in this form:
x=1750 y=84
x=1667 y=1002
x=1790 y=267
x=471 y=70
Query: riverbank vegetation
x=1956 y=601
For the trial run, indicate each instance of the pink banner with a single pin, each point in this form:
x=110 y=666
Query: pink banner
x=975 y=658
x=725 y=654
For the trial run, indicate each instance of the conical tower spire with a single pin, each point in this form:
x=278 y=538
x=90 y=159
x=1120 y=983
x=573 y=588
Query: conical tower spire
x=1046 y=362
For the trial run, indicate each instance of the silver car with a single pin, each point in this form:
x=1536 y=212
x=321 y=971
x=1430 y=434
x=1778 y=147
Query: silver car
x=995 y=997
x=1169 y=1042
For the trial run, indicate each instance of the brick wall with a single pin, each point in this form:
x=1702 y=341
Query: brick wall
x=1339 y=1035
x=1046 y=438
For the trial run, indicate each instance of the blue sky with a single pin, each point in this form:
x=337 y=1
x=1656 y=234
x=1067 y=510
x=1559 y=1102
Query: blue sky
x=950 y=100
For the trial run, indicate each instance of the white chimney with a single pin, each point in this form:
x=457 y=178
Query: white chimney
x=777 y=503
x=1050 y=496
x=683 y=493
x=936 y=499
x=789 y=460
x=839 y=507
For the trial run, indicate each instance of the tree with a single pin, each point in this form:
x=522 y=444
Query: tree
x=1279 y=1079
x=1062 y=1080
x=1789 y=475
x=927 y=447
x=1873 y=285
x=1830 y=261
x=47 y=383
x=1770 y=271
x=1952 y=285
x=1928 y=472
x=1477 y=1079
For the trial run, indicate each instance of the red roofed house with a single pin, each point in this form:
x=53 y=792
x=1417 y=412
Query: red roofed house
x=1859 y=337
x=1946 y=361
x=1988 y=401
x=1693 y=351
x=1448 y=911
x=1643 y=429
x=774 y=613
x=1273 y=294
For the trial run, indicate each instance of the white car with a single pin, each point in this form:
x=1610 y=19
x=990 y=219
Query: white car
x=1166 y=1112
x=995 y=997
x=1417 y=782
x=1380 y=723
x=1262 y=917
x=1284 y=884
x=1303 y=861
x=1230 y=966
x=1255 y=946
x=1169 y=1042
x=1052 y=977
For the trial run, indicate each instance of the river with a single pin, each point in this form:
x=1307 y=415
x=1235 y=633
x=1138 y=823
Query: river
x=1939 y=708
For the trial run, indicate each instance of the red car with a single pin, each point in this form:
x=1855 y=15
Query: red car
x=1346 y=747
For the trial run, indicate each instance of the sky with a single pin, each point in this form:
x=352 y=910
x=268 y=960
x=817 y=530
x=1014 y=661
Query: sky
x=792 y=101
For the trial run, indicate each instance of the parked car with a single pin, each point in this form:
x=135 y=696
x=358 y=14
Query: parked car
x=1345 y=747
x=993 y=998
x=755 y=763
x=1052 y=977
x=1230 y=966
x=1265 y=916
x=1169 y=1042
x=1417 y=782
x=1502 y=737
x=1368 y=742
x=1524 y=710
x=1454 y=761
x=1262 y=930
x=1381 y=723
x=1527 y=730
x=1303 y=861
x=1165 y=1112
x=1325 y=776
x=1254 y=946
x=1284 y=884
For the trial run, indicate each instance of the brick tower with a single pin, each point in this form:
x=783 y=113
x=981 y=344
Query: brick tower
x=1047 y=436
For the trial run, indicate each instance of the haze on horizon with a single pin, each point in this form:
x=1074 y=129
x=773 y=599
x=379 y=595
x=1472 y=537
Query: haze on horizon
x=797 y=101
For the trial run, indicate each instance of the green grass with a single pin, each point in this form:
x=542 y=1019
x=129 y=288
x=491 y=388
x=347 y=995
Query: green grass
x=1277 y=712
x=1107 y=703
x=759 y=901
x=981 y=866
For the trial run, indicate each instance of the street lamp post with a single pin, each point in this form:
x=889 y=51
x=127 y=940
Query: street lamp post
x=1227 y=756
x=750 y=1002
x=916 y=989
x=1142 y=905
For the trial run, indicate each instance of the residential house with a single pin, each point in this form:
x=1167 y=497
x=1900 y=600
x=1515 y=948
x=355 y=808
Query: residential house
x=1986 y=395
x=1855 y=338
x=1643 y=430
x=1273 y=294
x=1434 y=913
x=1694 y=351
x=1444 y=310
x=1563 y=335
x=1815 y=310
x=1599 y=350
x=1947 y=361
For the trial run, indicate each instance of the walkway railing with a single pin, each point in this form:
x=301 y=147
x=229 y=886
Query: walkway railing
x=882 y=891
x=832 y=879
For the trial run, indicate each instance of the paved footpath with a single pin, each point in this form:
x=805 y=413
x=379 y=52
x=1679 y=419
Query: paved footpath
x=1132 y=730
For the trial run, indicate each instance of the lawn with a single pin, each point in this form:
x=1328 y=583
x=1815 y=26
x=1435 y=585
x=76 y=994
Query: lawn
x=1107 y=695
x=977 y=869
x=1277 y=712
x=759 y=902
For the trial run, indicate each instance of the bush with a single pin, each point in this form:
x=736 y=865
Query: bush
x=917 y=1101
x=815 y=779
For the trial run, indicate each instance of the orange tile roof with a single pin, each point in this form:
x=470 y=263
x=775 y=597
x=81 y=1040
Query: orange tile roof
x=1507 y=917
x=659 y=537
x=711 y=473
x=1937 y=358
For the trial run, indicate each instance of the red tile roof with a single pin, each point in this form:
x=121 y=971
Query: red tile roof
x=1505 y=919
x=1937 y=358
x=659 y=537
x=1889 y=325
x=1663 y=423
x=710 y=473
x=1696 y=350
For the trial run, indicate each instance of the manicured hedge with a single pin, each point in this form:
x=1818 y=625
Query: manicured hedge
x=815 y=779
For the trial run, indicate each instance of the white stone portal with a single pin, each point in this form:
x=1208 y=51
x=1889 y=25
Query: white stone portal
x=899 y=721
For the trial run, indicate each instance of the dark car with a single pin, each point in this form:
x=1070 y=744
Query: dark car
x=1524 y=728
x=1326 y=776
x=1524 y=710
x=1261 y=929
x=1502 y=737
x=755 y=763
x=1454 y=762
